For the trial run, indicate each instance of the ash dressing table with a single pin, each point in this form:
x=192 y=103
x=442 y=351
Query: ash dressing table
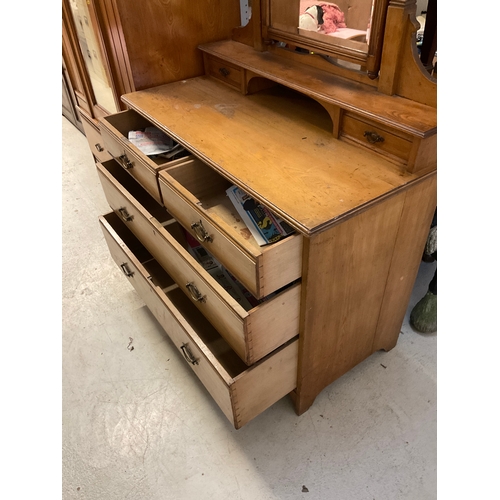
x=350 y=167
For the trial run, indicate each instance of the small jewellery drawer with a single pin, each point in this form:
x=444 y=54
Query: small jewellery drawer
x=241 y=392
x=395 y=145
x=95 y=140
x=195 y=195
x=252 y=333
x=114 y=131
x=223 y=71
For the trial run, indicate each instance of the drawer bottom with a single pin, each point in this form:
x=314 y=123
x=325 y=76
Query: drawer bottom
x=241 y=392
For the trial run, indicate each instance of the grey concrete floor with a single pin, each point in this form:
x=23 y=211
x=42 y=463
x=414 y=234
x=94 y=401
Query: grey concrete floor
x=138 y=425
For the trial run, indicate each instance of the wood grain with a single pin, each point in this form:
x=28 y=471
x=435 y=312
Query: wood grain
x=161 y=36
x=352 y=294
x=271 y=139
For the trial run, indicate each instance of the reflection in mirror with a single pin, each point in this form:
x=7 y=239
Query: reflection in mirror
x=245 y=12
x=345 y=23
x=92 y=55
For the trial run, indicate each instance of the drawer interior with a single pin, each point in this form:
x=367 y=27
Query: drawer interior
x=159 y=212
x=179 y=233
x=206 y=332
x=209 y=190
x=131 y=120
x=137 y=191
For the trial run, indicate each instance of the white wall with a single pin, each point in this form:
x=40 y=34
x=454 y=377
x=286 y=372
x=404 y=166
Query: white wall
x=421 y=5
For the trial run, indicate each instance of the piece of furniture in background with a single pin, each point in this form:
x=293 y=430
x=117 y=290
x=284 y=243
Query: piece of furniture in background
x=69 y=101
x=111 y=47
x=347 y=158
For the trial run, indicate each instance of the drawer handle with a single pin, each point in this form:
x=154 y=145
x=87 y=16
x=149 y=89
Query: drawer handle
x=224 y=72
x=373 y=137
x=188 y=355
x=195 y=293
x=125 y=215
x=99 y=147
x=125 y=162
x=126 y=270
x=200 y=232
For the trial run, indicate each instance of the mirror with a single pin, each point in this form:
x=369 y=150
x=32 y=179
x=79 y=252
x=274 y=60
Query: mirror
x=336 y=23
x=93 y=55
x=350 y=30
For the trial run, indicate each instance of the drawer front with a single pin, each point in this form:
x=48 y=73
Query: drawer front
x=262 y=270
x=210 y=235
x=132 y=160
x=395 y=145
x=95 y=140
x=253 y=334
x=242 y=393
x=224 y=71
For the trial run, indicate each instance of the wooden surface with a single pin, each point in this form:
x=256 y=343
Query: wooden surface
x=95 y=140
x=274 y=147
x=356 y=286
x=411 y=117
x=241 y=393
x=402 y=72
x=252 y=334
x=161 y=37
x=193 y=192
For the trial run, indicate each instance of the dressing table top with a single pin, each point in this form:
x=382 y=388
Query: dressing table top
x=276 y=145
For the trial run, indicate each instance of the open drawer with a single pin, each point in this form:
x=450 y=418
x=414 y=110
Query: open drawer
x=114 y=132
x=195 y=195
x=251 y=333
x=241 y=392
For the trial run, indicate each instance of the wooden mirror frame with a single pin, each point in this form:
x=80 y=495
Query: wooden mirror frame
x=369 y=60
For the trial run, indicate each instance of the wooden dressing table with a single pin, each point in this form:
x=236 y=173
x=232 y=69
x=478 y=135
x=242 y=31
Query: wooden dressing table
x=350 y=168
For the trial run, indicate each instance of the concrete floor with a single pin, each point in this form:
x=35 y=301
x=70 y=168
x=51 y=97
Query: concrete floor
x=138 y=424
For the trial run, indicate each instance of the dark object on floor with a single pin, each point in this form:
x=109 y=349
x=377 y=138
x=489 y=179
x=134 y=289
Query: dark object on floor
x=423 y=316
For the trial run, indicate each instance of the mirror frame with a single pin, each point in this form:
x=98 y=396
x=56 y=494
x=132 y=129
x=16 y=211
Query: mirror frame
x=369 y=60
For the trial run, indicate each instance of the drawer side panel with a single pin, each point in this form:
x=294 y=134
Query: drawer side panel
x=261 y=386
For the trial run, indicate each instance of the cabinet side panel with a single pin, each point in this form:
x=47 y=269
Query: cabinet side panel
x=418 y=210
x=344 y=280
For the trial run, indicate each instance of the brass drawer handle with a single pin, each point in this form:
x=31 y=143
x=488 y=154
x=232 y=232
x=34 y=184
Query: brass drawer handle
x=99 y=147
x=126 y=270
x=188 y=355
x=125 y=162
x=200 y=232
x=195 y=293
x=224 y=72
x=125 y=215
x=373 y=137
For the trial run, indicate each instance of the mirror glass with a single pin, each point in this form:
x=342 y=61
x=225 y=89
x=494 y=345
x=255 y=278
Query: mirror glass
x=92 y=55
x=346 y=22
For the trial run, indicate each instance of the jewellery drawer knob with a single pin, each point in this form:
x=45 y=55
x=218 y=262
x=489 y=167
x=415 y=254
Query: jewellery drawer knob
x=99 y=147
x=373 y=137
x=125 y=215
x=125 y=162
x=224 y=72
x=200 y=232
x=188 y=355
x=126 y=270
x=195 y=293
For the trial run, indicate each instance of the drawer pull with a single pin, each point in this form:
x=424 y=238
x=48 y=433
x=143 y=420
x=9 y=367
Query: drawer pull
x=373 y=137
x=125 y=215
x=224 y=72
x=126 y=270
x=99 y=147
x=200 y=232
x=188 y=355
x=195 y=293
x=125 y=162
